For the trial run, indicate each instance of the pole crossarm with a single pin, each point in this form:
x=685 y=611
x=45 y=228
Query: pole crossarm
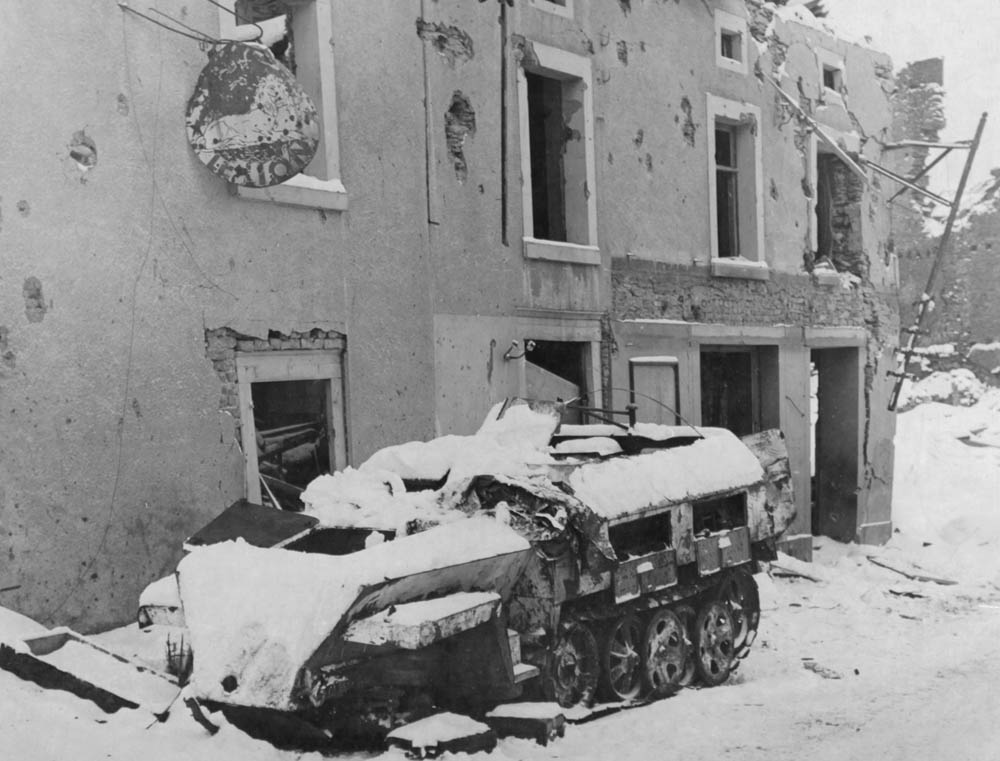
x=921 y=173
x=907 y=184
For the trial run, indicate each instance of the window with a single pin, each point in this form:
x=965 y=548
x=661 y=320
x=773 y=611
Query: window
x=726 y=191
x=558 y=7
x=730 y=47
x=557 y=157
x=292 y=421
x=839 y=192
x=299 y=34
x=831 y=75
x=735 y=189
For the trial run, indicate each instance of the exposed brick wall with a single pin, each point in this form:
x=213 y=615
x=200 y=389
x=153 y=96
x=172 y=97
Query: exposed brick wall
x=651 y=290
x=222 y=344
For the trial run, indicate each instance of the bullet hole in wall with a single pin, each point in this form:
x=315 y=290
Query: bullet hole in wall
x=459 y=122
x=34 y=301
x=450 y=42
x=689 y=128
x=83 y=150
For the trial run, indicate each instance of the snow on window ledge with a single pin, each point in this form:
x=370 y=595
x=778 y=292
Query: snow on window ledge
x=556 y=251
x=739 y=267
x=301 y=190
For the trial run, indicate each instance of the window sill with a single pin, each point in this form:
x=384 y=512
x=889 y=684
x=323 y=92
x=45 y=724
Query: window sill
x=554 y=251
x=565 y=10
x=301 y=190
x=735 y=65
x=831 y=98
x=740 y=268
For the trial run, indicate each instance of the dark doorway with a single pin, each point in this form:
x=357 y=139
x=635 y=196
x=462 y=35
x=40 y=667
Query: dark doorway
x=739 y=388
x=835 y=419
x=557 y=370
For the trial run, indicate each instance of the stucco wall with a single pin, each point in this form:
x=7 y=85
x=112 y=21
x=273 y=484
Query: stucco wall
x=114 y=448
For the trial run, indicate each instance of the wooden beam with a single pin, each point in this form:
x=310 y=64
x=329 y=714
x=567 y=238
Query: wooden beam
x=840 y=152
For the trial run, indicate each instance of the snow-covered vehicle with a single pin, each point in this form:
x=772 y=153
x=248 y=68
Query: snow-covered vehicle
x=570 y=562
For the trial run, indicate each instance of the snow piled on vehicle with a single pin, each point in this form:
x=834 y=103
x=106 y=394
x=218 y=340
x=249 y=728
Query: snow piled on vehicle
x=239 y=600
x=371 y=498
x=513 y=442
x=718 y=463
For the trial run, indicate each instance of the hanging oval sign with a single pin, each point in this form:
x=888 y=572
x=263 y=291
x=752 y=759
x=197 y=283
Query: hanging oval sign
x=248 y=120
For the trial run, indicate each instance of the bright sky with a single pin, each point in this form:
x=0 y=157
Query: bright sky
x=965 y=34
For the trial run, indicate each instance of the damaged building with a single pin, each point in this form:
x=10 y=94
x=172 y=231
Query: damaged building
x=658 y=203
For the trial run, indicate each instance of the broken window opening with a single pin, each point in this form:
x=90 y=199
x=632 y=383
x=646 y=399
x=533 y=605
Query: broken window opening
x=833 y=78
x=731 y=45
x=727 y=191
x=292 y=435
x=547 y=136
x=839 y=193
x=292 y=421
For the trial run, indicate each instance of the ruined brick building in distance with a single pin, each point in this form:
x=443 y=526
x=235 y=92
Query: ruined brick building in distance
x=619 y=188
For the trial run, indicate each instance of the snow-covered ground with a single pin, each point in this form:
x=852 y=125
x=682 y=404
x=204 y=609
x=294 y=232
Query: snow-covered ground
x=860 y=663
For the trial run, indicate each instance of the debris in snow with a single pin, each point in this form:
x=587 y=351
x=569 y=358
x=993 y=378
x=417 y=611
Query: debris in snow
x=827 y=673
x=444 y=732
x=789 y=566
x=540 y=722
x=910 y=571
x=64 y=660
x=957 y=387
x=14 y=627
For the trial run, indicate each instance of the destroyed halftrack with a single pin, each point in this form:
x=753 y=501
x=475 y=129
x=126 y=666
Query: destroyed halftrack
x=563 y=562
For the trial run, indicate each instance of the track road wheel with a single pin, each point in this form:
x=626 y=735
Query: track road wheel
x=621 y=661
x=713 y=630
x=575 y=667
x=687 y=615
x=739 y=592
x=664 y=653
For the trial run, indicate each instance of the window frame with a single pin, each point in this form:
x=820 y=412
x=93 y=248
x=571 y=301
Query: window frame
x=303 y=189
x=547 y=6
x=289 y=365
x=562 y=65
x=741 y=118
x=827 y=60
x=729 y=24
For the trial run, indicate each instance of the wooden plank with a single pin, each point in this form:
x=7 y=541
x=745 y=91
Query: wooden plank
x=416 y=625
x=257 y=525
x=541 y=722
x=914 y=572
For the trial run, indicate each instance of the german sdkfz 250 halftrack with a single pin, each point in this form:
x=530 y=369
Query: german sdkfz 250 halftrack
x=567 y=562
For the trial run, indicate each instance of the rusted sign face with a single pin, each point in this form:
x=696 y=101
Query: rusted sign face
x=248 y=120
